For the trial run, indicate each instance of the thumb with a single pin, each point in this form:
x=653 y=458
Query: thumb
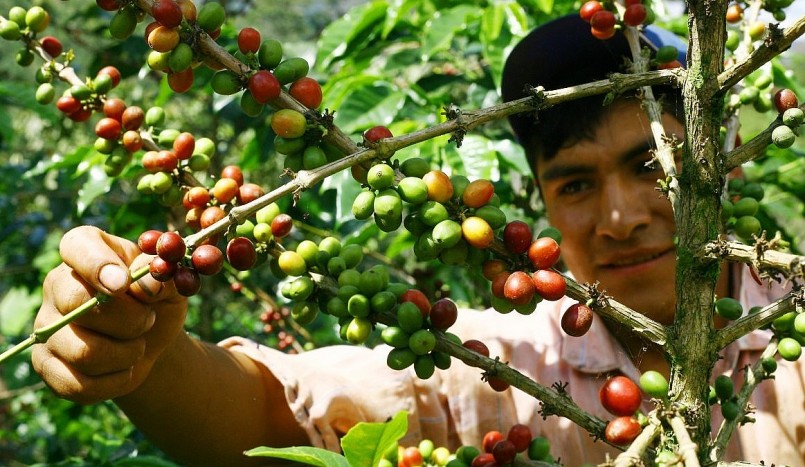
x=99 y=258
x=147 y=289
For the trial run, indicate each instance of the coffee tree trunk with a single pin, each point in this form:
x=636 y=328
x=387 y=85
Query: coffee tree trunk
x=691 y=344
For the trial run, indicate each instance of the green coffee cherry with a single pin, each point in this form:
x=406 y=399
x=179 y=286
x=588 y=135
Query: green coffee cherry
x=270 y=53
x=783 y=137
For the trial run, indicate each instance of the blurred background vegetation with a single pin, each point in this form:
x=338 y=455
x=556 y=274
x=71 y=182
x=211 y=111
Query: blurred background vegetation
x=396 y=63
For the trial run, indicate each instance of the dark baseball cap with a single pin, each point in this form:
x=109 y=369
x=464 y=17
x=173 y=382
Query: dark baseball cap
x=548 y=53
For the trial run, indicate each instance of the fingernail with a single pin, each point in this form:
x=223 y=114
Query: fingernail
x=149 y=285
x=114 y=277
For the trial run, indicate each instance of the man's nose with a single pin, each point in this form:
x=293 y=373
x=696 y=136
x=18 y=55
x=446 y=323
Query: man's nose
x=622 y=209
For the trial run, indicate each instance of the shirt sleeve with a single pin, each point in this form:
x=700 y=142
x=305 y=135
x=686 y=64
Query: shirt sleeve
x=332 y=388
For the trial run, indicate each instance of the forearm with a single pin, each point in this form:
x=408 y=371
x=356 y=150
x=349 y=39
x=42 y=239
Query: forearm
x=205 y=405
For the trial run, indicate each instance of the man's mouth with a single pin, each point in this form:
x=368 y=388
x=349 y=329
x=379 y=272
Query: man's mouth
x=636 y=260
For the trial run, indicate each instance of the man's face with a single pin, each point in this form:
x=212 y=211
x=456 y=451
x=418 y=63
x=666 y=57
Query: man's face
x=616 y=227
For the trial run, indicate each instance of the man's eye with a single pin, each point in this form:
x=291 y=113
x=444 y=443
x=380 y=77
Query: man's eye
x=573 y=187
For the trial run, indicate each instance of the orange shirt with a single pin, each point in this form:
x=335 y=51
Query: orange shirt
x=330 y=389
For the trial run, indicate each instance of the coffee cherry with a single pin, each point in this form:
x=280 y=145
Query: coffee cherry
x=491 y=438
x=622 y=430
x=281 y=225
x=634 y=15
x=307 y=91
x=785 y=99
x=109 y=128
x=37 y=19
x=248 y=40
x=477 y=347
x=517 y=237
x=550 y=284
x=519 y=288
x=292 y=263
x=249 y=192
x=782 y=136
x=171 y=247
x=68 y=104
x=376 y=133
x=734 y=13
x=241 y=254
x=207 y=259
x=109 y=5
x=187 y=281
x=211 y=16
x=539 y=448
x=188 y=10
x=162 y=270
x=380 y=177
x=163 y=39
x=504 y=451
x=132 y=118
x=147 y=241
x=210 y=216
x=577 y=319
x=603 y=20
x=264 y=87
x=443 y=314
x=417 y=298
x=620 y=396
x=51 y=46
x=589 y=9
x=483 y=460
x=544 y=252
x=789 y=349
x=288 y=123
x=225 y=190
x=167 y=12
x=181 y=81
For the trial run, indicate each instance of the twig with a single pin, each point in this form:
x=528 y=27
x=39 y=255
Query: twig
x=687 y=448
x=42 y=334
x=790 y=266
x=755 y=374
x=640 y=444
x=766 y=315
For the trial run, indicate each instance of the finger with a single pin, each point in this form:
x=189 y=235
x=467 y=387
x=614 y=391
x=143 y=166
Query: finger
x=77 y=387
x=148 y=289
x=93 y=354
x=99 y=258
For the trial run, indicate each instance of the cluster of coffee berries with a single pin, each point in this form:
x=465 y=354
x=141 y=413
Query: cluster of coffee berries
x=723 y=392
x=621 y=397
x=783 y=136
x=171 y=262
x=274 y=324
x=739 y=211
x=790 y=330
x=299 y=142
x=24 y=25
x=425 y=454
x=603 y=21
x=413 y=339
x=501 y=450
x=521 y=283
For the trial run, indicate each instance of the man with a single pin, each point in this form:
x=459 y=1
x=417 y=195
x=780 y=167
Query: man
x=205 y=404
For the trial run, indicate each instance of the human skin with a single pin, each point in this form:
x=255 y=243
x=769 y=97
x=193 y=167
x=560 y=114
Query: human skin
x=200 y=403
x=616 y=227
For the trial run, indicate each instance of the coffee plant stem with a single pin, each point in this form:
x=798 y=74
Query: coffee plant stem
x=638 y=323
x=787 y=265
x=633 y=455
x=687 y=448
x=42 y=334
x=775 y=43
x=664 y=153
x=755 y=375
x=753 y=148
x=765 y=316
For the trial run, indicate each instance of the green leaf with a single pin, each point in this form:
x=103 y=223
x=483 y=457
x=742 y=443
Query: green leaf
x=340 y=35
x=346 y=190
x=6 y=131
x=397 y=9
x=144 y=461
x=441 y=29
x=476 y=158
x=96 y=185
x=369 y=106
x=366 y=443
x=71 y=161
x=17 y=310
x=303 y=454
x=546 y=6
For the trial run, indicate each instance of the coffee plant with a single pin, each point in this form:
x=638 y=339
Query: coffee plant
x=368 y=186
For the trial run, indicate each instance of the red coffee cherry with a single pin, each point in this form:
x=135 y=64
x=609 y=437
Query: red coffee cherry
x=577 y=319
x=499 y=284
x=374 y=134
x=162 y=270
x=114 y=108
x=544 y=252
x=734 y=13
x=589 y=9
x=68 y=104
x=417 y=298
x=241 y=254
x=443 y=314
x=109 y=5
x=620 y=396
x=108 y=128
x=171 y=247
x=504 y=451
x=80 y=115
x=167 y=12
x=187 y=281
x=198 y=196
x=635 y=14
x=51 y=46
x=147 y=242
x=166 y=161
x=133 y=118
x=477 y=347
x=183 y=146
x=281 y=225
x=517 y=237
x=603 y=20
x=233 y=172
x=307 y=91
x=181 y=81
x=550 y=284
x=132 y=141
x=520 y=436
x=492 y=267
x=225 y=190
x=264 y=86
x=249 y=192
x=207 y=259
x=490 y=439
x=622 y=430
x=484 y=459
x=519 y=288
x=249 y=40
x=785 y=99
x=210 y=216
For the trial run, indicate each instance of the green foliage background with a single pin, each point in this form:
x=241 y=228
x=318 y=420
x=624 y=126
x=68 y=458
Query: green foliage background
x=390 y=62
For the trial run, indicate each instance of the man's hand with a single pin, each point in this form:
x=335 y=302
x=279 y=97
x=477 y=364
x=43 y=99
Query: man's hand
x=109 y=351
